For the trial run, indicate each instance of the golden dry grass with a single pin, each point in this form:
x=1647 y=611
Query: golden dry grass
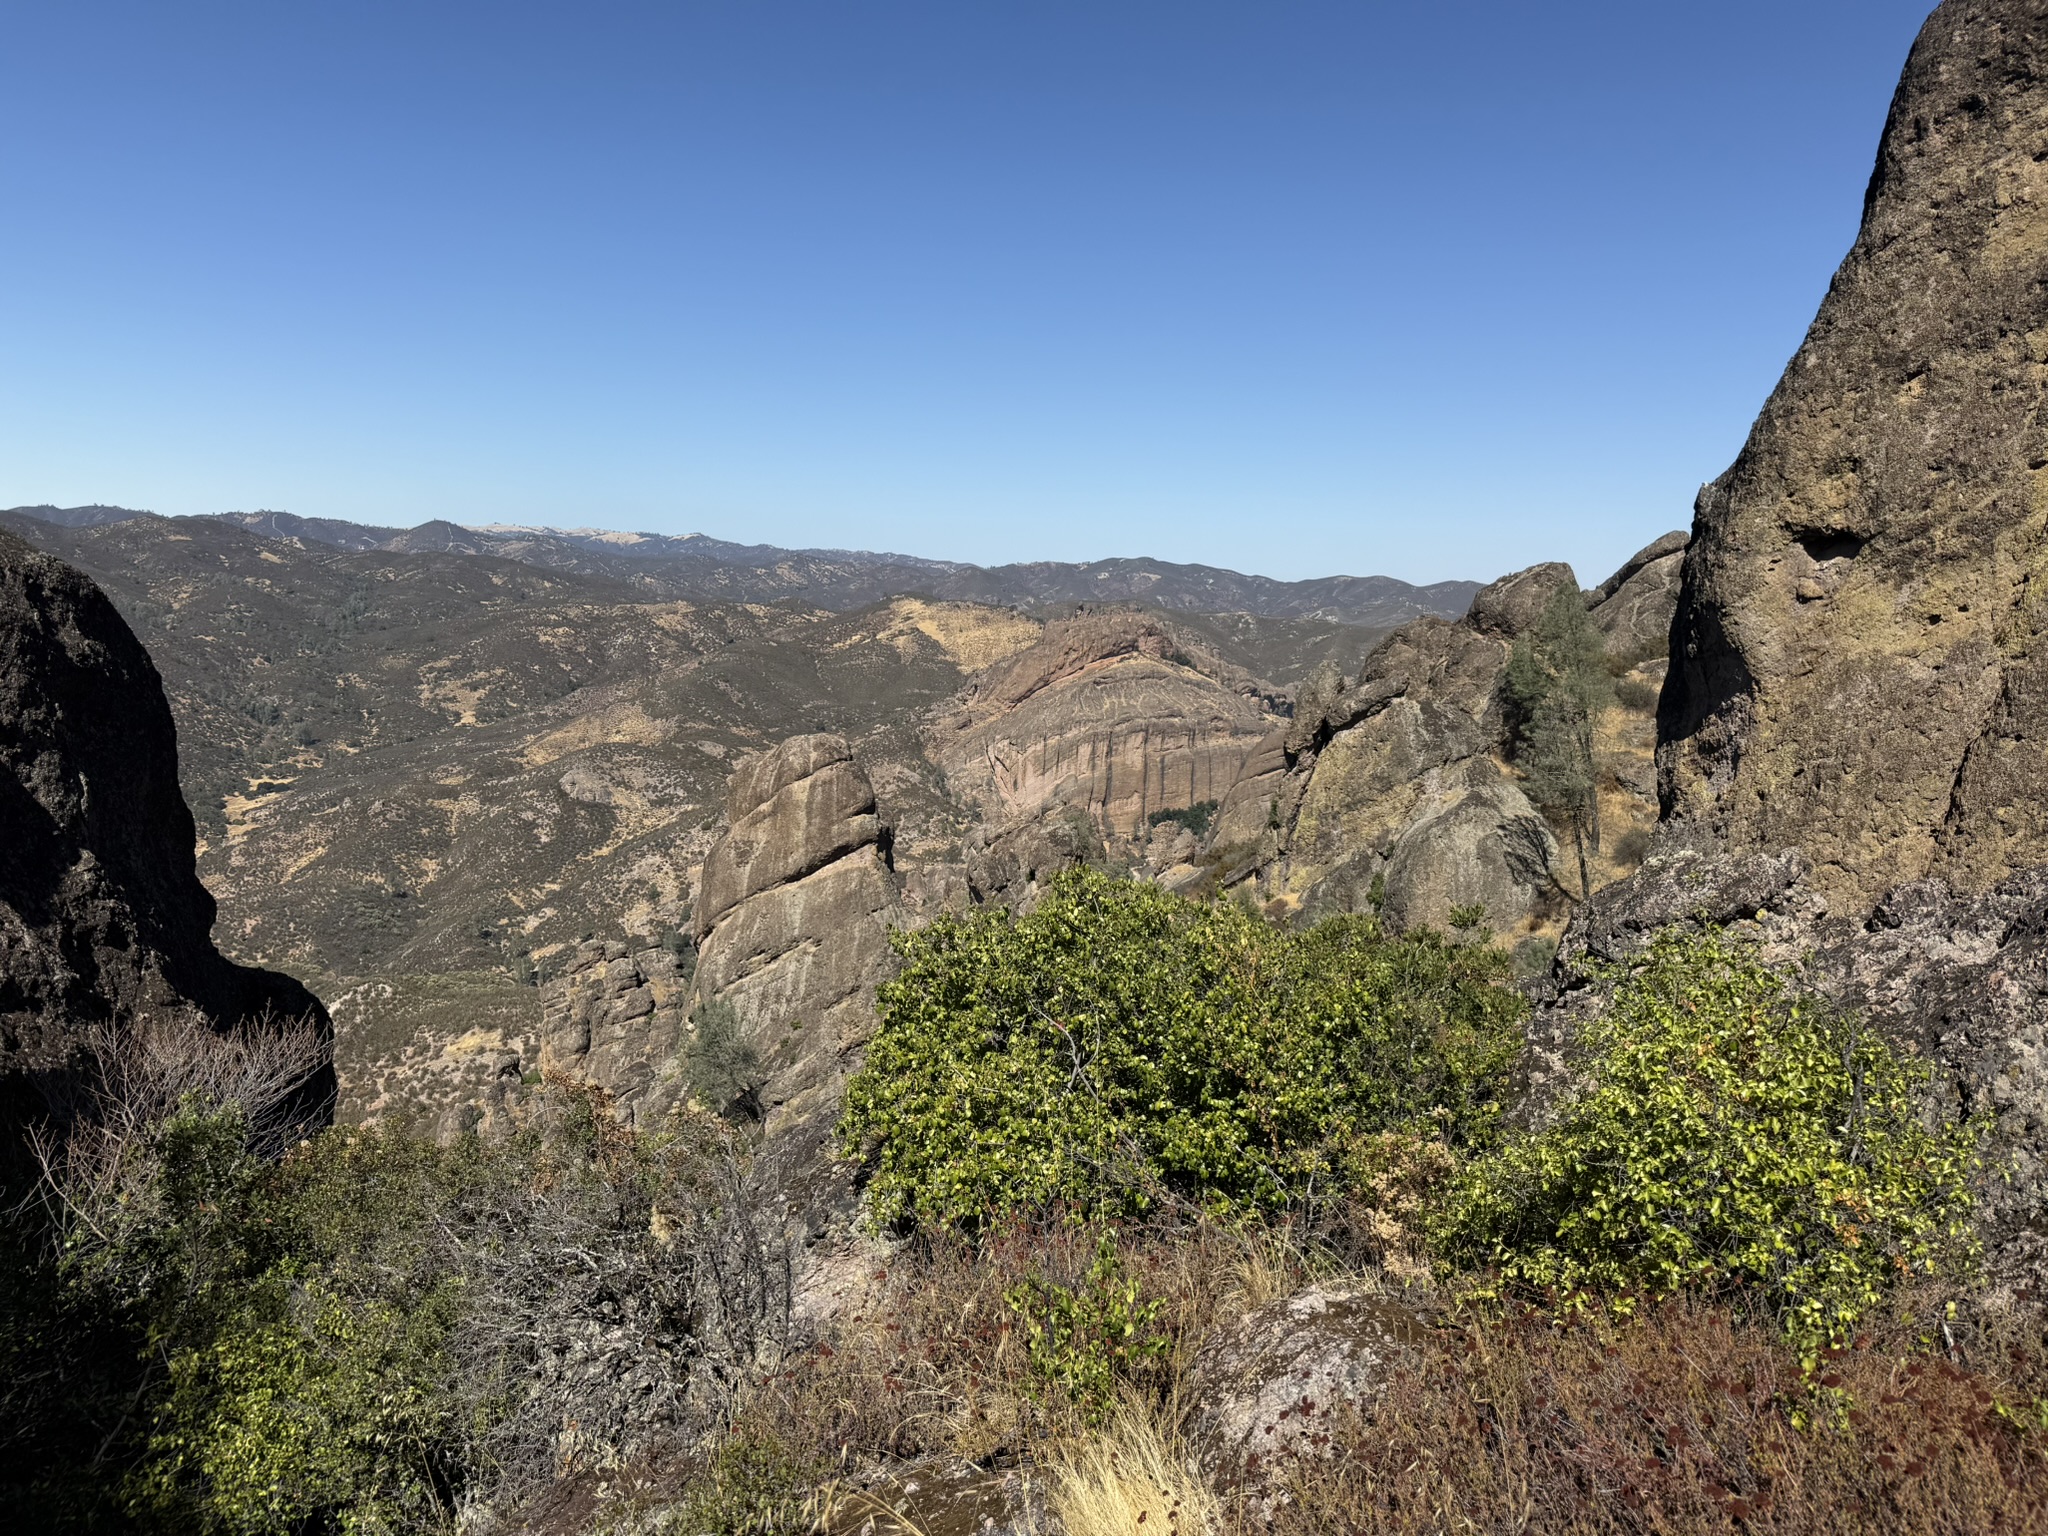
x=1132 y=1476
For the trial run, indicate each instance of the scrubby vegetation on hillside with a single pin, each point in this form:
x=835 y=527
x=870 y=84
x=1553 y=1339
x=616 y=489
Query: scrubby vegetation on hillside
x=225 y=1326
x=1712 y=1294
x=1119 y=1047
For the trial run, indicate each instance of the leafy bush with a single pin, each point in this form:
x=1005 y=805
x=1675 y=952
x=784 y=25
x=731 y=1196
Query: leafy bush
x=1733 y=1134
x=1087 y=1337
x=1120 y=1043
x=1195 y=818
x=755 y=1485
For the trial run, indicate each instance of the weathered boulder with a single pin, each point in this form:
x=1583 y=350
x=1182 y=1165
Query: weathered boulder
x=1503 y=609
x=617 y=1019
x=102 y=916
x=792 y=921
x=1860 y=666
x=1269 y=1388
x=1632 y=609
x=1487 y=848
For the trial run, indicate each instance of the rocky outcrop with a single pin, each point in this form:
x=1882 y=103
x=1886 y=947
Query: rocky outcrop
x=617 y=1018
x=1395 y=786
x=1849 y=754
x=792 y=921
x=1634 y=606
x=102 y=916
x=1111 y=718
x=1271 y=1387
x=1861 y=663
x=1487 y=849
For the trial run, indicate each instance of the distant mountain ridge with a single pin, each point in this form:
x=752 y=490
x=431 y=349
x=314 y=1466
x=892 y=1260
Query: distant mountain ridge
x=697 y=567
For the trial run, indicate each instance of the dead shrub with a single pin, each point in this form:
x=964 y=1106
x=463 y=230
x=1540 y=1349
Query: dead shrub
x=1683 y=1421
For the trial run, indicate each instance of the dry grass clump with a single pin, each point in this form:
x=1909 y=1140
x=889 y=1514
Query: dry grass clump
x=937 y=1364
x=1131 y=1476
x=1680 y=1422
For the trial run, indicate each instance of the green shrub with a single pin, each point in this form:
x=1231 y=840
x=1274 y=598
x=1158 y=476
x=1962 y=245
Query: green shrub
x=722 y=1069
x=1085 y=1339
x=1119 y=1042
x=366 y=1333
x=1733 y=1135
x=755 y=1485
x=1195 y=818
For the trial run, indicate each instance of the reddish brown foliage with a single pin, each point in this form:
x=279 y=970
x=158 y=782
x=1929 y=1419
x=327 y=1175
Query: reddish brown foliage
x=1684 y=1422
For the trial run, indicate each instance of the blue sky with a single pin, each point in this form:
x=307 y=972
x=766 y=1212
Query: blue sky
x=1432 y=290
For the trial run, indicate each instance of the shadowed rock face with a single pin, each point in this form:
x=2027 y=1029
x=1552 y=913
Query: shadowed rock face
x=102 y=916
x=793 y=918
x=1860 y=666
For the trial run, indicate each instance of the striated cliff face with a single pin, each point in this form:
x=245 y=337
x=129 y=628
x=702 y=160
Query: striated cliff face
x=617 y=1018
x=102 y=916
x=1109 y=714
x=1861 y=661
x=792 y=920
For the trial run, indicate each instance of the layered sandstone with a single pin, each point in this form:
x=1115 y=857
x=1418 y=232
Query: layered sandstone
x=1109 y=714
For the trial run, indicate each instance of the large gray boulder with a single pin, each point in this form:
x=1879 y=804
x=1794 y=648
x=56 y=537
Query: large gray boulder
x=1488 y=848
x=1269 y=1388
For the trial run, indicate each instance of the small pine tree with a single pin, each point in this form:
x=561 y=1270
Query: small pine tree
x=1557 y=684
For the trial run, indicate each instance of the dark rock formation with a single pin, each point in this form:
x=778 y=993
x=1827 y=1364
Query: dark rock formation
x=1860 y=666
x=1849 y=742
x=1269 y=1388
x=792 y=921
x=102 y=916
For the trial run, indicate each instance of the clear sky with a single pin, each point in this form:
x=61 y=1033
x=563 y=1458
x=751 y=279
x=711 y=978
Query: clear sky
x=1431 y=289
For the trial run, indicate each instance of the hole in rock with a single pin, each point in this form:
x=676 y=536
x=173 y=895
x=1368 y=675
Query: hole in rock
x=1824 y=544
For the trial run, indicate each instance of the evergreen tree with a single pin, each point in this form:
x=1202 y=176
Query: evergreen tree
x=1557 y=684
